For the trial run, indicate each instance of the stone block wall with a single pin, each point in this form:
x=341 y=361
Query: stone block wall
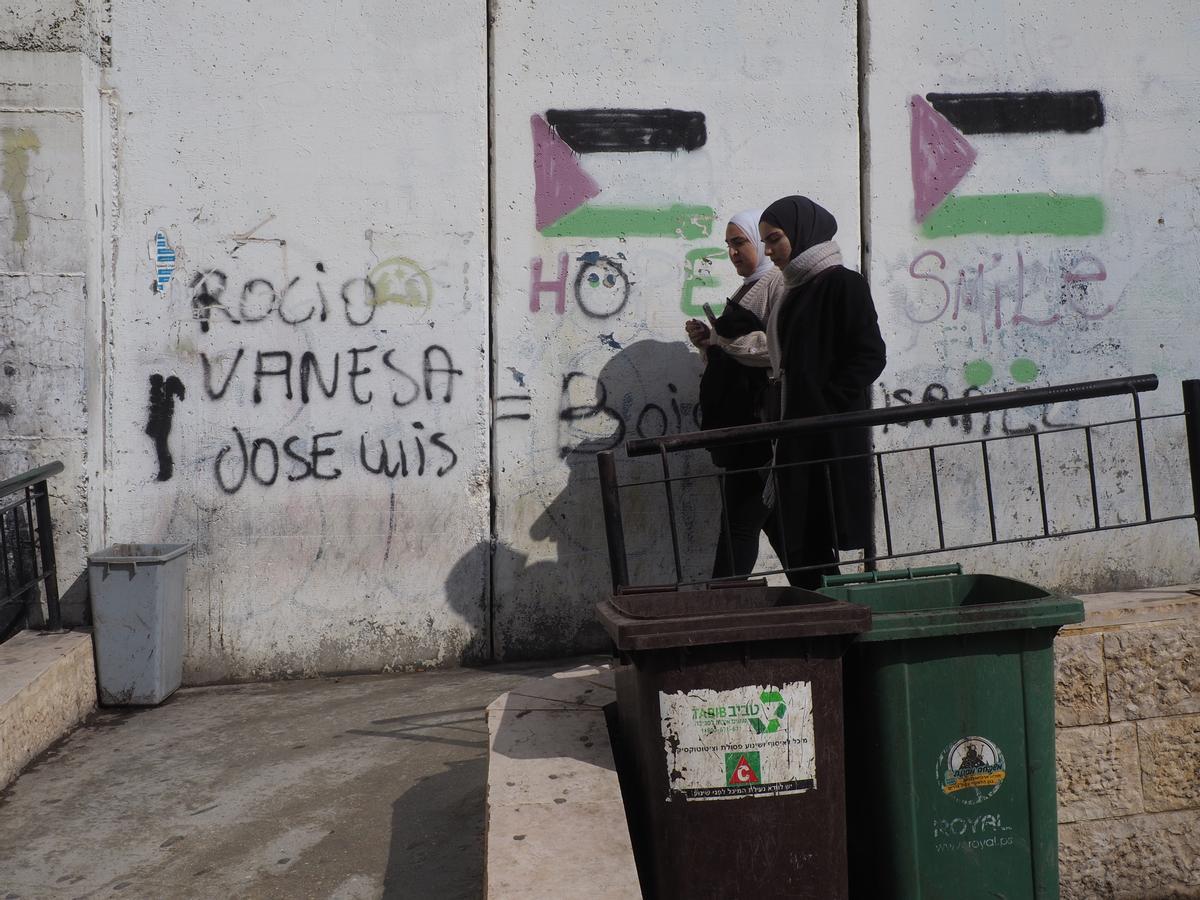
x=1128 y=747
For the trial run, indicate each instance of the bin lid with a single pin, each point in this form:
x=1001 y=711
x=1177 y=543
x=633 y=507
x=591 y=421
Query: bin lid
x=917 y=607
x=137 y=554
x=659 y=620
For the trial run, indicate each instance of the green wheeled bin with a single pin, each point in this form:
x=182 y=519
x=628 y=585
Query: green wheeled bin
x=949 y=716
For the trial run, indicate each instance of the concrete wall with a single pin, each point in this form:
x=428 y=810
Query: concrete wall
x=45 y=230
x=294 y=261
x=1066 y=251
x=297 y=311
x=589 y=311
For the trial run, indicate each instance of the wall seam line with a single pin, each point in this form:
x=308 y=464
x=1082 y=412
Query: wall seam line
x=862 y=38
x=491 y=326
x=864 y=142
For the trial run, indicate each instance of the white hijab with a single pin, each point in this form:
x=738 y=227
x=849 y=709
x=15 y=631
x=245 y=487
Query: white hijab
x=747 y=223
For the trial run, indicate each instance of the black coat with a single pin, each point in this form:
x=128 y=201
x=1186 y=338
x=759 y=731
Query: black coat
x=731 y=393
x=832 y=352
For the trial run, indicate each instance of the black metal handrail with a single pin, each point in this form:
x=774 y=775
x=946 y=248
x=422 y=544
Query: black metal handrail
x=610 y=485
x=27 y=549
x=30 y=478
x=895 y=415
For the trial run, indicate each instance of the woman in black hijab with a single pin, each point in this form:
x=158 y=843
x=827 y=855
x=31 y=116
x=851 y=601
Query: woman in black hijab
x=826 y=352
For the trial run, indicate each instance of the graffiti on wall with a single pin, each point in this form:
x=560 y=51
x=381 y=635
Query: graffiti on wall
x=599 y=412
x=372 y=377
x=163 y=394
x=299 y=299
x=164 y=262
x=256 y=384
x=628 y=397
x=563 y=188
x=600 y=288
x=1005 y=289
x=1008 y=288
x=942 y=157
x=600 y=285
x=1008 y=422
x=607 y=393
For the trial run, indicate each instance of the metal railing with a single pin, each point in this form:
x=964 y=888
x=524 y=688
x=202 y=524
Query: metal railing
x=611 y=486
x=27 y=551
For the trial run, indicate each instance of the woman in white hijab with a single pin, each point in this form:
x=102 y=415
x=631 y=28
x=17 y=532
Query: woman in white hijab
x=732 y=390
x=762 y=286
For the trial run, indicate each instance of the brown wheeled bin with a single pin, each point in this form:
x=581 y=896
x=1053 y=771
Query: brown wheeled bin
x=729 y=705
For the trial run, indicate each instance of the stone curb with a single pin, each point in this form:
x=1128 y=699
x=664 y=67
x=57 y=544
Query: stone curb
x=556 y=824
x=47 y=687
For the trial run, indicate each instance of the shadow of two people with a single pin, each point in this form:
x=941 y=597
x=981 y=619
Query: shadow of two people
x=544 y=583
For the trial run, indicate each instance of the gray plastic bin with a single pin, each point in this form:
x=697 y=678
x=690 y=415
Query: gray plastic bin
x=137 y=610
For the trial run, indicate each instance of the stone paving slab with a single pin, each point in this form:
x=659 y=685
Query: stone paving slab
x=556 y=821
x=346 y=788
x=1140 y=607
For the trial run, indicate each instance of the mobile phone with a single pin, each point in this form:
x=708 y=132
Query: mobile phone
x=708 y=311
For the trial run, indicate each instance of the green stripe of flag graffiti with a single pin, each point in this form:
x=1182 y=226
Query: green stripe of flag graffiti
x=1016 y=214
x=677 y=221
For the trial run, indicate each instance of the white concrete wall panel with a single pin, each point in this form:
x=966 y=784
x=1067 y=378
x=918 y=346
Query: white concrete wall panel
x=609 y=234
x=43 y=240
x=1046 y=234
x=298 y=320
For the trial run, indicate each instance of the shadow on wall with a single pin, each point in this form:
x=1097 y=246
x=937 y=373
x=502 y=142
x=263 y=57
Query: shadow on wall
x=546 y=582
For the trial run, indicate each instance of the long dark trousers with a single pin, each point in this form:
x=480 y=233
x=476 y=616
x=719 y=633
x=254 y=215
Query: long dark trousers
x=744 y=516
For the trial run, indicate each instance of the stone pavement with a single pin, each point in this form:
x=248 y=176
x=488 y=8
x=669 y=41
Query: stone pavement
x=354 y=787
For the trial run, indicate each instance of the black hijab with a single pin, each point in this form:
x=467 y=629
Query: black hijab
x=804 y=222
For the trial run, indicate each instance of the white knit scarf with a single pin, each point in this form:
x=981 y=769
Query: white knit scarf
x=804 y=268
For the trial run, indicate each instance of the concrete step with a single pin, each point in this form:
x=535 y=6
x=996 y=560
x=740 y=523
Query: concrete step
x=47 y=687
x=556 y=824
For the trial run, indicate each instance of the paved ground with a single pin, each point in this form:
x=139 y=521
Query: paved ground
x=343 y=788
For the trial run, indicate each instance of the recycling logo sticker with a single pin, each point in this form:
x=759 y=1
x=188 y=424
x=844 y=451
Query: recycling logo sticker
x=755 y=741
x=776 y=713
x=971 y=770
x=742 y=768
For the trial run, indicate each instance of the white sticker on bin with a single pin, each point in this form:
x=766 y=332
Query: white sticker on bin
x=753 y=741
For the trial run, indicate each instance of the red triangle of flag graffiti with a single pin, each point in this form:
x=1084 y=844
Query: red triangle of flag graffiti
x=941 y=157
x=743 y=773
x=561 y=185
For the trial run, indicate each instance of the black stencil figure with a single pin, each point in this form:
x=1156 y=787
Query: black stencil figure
x=163 y=394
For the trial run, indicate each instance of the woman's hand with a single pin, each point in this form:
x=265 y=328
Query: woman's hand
x=698 y=333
